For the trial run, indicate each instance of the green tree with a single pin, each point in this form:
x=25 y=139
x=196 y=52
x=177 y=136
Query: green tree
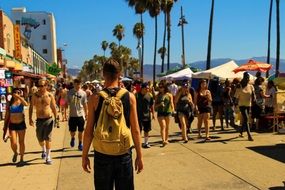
x=133 y=66
x=208 y=66
x=104 y=46
x=119 y=32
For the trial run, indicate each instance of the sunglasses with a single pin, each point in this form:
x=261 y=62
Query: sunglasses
x=16 y=92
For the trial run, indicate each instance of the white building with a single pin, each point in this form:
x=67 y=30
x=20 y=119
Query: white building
x=39 y=29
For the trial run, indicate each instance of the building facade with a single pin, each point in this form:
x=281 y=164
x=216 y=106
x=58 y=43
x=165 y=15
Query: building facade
x=40 y=30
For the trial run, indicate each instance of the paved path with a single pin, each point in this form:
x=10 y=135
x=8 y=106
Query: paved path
x=226 y=162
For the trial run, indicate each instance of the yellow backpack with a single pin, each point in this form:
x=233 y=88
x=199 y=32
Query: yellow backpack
x=111 y=134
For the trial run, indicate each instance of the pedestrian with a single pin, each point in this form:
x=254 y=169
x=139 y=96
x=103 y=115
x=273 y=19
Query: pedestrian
x=45 y=107
x=184 y=108
x=228 y=105
x=77 y=101
x=63 y=102
x=15 y=121
x=112 y=170
x=203 y=102
x=245 y=95
x=145 y=111
x=164 y=106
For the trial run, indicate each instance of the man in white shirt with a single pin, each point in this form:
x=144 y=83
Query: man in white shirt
x=173 y=88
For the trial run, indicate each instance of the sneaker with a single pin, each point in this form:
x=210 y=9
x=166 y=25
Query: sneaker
x=146 y=145
x=48 y=161
x=21 y=163
x=80 y=147
x=44 y=155
x=72 y=142
x=14 y=159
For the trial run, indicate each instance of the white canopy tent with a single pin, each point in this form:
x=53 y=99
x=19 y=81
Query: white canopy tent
x=224 y=71
x=179 y=75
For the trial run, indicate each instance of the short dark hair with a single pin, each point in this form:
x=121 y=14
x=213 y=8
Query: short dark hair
x=111 y=68
x=78 y=81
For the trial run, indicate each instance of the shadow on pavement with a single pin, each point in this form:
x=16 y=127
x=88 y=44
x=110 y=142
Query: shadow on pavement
x=71 y=156
x=216 y=139
x=276 y=152
x=57 y=150
x=278 y=187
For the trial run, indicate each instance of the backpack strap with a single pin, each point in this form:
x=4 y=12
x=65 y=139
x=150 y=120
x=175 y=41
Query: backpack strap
x=121 y=93
x=103 y=94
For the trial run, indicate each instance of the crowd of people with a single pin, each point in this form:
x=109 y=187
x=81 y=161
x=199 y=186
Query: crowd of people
x=177 y=99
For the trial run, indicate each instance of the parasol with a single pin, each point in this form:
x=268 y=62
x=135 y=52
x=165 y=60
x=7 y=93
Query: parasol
x=253 y=65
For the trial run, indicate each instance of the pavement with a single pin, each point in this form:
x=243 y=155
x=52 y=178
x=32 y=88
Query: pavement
x=225 y=162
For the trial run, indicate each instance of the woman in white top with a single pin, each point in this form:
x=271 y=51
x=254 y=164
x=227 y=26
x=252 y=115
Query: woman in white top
x=269 y=102
x=245 y=94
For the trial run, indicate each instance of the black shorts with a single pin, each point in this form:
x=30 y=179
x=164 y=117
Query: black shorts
x=256 y=111
x=145 y=126
x=75 y=122
x=17 y=126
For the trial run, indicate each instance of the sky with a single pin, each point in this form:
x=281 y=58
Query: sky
x=239 y=30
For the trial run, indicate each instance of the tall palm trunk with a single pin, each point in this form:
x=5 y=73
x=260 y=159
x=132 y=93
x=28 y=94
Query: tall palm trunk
x=269 y=35
x=142 y=56
x=278 y=36
x=168 y=40
x=208 y=66
x=163 y=45
x=155 y=49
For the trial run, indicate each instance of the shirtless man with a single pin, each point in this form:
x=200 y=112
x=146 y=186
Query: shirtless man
x=45 y=106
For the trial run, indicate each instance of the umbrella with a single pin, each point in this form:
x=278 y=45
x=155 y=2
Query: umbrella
x=125 y=79
x=253 y=65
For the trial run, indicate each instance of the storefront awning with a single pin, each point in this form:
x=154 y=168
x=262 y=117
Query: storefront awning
x=26 y=74
x=2 y=51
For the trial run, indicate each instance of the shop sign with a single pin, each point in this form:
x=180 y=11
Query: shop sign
x=8 y=74
x=2 y=74
x=53 y=69
x=17 y=39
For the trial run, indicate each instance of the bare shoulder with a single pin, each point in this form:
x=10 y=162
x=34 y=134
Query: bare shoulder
x=132 y=97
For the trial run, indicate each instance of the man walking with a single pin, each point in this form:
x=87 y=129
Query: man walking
x=45 y=107
x=77 y=101
x=112 y=170
x=145 y=108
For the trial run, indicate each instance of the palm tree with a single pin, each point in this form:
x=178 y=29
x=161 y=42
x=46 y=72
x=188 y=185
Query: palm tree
x=154 y=10
x=168 y=21
x=118 y=32
x=104 y=46
x=140 y=7
x=138 y=31
x=278 y=36
x=162 y=52
x=164 y=9
x=113 y=46
x=208 y=66
x=269 y=35
x=133 y=66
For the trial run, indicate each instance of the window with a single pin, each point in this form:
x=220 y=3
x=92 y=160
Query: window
x=45 y=51
x=44 y=22
x=44 y=37
x=18 y=22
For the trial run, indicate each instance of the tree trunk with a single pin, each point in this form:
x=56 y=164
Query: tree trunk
x=155 y=47
x=168 y=40
x=142 y=57
x=269 y=35
x=163 y=45
x=208 y=66
x=278 y=37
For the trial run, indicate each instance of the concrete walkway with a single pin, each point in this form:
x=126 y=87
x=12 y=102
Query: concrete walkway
x=226 y=162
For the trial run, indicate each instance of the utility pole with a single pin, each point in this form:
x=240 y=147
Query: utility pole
x=181 y=23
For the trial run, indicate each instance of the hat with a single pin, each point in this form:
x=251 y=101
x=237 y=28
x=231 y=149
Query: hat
x=144 y=85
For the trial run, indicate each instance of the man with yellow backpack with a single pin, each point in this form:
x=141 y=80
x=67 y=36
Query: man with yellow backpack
x=112 y=126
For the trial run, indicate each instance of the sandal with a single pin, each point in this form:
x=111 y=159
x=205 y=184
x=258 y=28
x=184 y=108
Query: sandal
x=208 y=139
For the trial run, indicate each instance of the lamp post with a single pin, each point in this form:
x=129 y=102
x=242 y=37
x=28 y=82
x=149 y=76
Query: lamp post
x=181 y=23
